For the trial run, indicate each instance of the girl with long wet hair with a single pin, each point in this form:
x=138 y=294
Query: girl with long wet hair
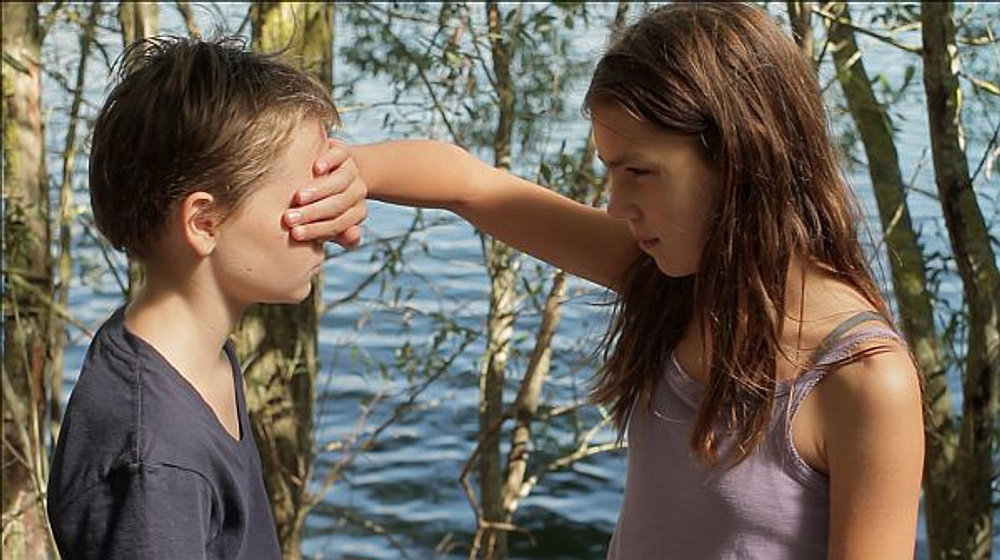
x=770 y=407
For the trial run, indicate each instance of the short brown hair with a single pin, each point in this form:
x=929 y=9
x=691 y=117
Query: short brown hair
x=191 y=115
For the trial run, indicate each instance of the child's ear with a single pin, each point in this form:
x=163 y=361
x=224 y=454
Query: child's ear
x=200 y=219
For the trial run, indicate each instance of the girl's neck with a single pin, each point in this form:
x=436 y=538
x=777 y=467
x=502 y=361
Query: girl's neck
x=815 y=302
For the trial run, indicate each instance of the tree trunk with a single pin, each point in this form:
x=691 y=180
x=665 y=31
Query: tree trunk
x=515 y=484
x=278 y=343
x=974 y=474
x=27 y=277
x=525 y=406
x=501 y=265
x=184 y=8
x=908 y=268
x=138 y=20
x=800 y=18
x=64 y=263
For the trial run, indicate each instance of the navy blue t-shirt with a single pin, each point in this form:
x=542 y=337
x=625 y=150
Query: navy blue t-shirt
x=144 y=469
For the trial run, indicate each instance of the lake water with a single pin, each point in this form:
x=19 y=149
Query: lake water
x=407 y=485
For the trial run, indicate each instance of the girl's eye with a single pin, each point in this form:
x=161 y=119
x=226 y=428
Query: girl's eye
x=636 y=172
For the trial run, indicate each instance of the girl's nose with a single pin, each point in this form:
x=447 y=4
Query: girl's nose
x=620 y=207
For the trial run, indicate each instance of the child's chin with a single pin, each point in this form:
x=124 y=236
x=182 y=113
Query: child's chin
x=303 y=294
x=297 y=296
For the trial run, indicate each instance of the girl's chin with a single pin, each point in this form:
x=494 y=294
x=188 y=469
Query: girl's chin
x=675 y=269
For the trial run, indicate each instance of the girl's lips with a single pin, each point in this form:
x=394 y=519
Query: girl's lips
x=648 y=243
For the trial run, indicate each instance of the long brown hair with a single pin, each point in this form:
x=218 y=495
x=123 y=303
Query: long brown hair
x=729 y=74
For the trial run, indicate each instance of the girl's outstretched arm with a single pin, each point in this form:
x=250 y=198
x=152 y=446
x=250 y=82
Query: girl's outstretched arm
x=581 y=240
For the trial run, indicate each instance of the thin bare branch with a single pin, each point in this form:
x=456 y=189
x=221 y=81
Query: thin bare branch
x=438 y=107
x=833 y=18
x=18 y=279
x=985 y=85
x=354 y=450
x=184 y=7
x=987 y=152
x=396 y=253
x=584 y=450
x=50 y=18
x=377 y=529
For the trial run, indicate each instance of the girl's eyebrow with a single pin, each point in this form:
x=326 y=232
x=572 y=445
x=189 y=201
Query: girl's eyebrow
x=615 y=162
x=627 y=159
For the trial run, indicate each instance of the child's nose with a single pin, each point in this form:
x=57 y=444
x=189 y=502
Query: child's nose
x=620 y=207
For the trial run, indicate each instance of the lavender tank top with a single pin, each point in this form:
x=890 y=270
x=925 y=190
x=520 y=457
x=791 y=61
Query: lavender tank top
x=771 y=506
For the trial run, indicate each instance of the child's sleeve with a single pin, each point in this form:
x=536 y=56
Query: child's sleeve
x=141 y=512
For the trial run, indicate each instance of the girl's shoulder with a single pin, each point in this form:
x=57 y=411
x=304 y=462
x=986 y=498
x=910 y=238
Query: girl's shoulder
x=861 y=382
x=882 y=376
x=866 y=368
x=868 y=390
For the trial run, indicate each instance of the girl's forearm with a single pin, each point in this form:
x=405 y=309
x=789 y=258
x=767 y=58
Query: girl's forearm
x=582 y=240
x=422 y=173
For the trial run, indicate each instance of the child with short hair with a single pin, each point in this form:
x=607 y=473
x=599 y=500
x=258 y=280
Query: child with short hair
x=197 y=155
x=772 y=410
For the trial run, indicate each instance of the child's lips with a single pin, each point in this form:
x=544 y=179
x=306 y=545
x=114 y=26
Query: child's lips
x=648 y=243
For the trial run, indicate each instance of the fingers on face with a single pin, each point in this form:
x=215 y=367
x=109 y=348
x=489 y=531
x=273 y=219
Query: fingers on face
x=329 y=206
x=322 y=187
x=330 y=229
x=350 y=238
x=337 y=181
x=332 y=158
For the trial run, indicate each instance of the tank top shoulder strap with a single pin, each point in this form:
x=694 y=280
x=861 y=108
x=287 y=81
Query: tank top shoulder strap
x=840 y=343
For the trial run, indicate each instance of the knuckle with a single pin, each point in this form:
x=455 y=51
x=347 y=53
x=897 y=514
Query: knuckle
x=358 y=190
x=321 y=189
x=342 y=179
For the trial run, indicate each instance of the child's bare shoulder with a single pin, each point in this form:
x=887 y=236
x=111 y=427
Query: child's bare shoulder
x=881 y=381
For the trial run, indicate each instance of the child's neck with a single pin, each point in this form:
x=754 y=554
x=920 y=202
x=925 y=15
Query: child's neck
x=186 y=321
x=815 y=302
